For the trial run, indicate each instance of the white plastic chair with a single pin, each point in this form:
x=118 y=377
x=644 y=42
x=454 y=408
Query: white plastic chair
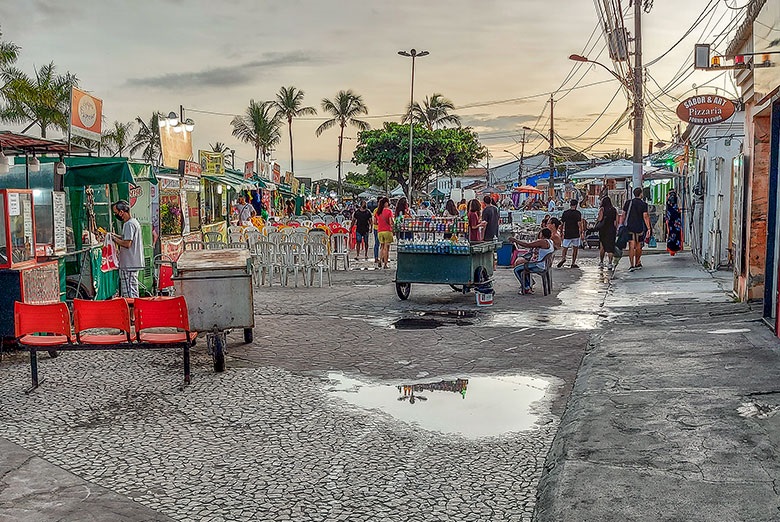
x=235 y=237
x=297 y=237
x=276 y=238
x=317 y=260
x=339 y=249
x=264 y=263
x=252 y=236
x=293 y=259
x=234 y=229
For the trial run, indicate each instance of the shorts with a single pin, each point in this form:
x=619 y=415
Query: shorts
x=574 y=242
x=638 y=237
x=361 y=237
x=385 y=237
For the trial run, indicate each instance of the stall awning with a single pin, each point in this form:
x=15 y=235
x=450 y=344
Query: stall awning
x=83 y=171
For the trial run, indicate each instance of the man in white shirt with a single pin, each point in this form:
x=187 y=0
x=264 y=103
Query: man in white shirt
x=245 y=212
x=551 y=205
x=131 y=251
x=425 y=210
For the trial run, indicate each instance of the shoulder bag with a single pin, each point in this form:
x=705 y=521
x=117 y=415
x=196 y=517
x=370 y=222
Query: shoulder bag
x=623 y=234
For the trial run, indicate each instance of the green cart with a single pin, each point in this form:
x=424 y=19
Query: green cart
x=462 y=267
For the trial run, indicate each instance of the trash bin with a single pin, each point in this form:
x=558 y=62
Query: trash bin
x=504 y=254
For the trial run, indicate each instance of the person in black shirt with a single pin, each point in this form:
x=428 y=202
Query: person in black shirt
x=362 y=221
x=637 y=220
x=491 y=217
x=573 y=233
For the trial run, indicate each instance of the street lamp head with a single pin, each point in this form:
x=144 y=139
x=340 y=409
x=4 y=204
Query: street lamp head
x=423 y=53
x=404 y=53
x=525 y=127
x=578 y=58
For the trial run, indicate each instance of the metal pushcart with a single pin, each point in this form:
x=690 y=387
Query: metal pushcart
x=217 y=285
x=430 y=256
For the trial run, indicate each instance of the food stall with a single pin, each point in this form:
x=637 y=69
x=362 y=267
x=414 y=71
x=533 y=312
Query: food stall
x=437 y=251
x=22 y=277
x=180 y=207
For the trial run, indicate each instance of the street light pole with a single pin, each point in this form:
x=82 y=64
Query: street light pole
x=519 y=165
x=413 y=53
x=551 y=190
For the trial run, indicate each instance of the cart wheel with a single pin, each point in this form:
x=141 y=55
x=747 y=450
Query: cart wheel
x=403 y=290
x=249 y=335
x=219 y=354
x=53 y=353
x=480 y=275
x=457 y=288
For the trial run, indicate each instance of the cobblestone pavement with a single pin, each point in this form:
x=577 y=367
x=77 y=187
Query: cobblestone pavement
x=265 y=441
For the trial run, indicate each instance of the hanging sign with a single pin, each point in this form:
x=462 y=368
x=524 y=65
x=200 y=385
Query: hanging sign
x=212 y=163
x=706 y=109
x=59 y=217
x=189 y=168
x=249 y=169
x=86 y=115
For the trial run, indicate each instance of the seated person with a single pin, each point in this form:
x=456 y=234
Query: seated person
x=532 y=261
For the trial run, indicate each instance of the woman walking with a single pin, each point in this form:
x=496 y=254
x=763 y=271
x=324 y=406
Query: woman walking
x=384 y=221
x=607 y=232
x=476 y=224
x=673 y=224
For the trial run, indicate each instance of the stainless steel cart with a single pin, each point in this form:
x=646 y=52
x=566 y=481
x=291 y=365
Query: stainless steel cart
x=217 y=285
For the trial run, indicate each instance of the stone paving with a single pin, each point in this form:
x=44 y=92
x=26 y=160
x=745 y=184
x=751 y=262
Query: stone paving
x=265 y=441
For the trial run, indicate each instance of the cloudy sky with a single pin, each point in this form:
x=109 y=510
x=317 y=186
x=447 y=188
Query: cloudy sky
x=497 y=60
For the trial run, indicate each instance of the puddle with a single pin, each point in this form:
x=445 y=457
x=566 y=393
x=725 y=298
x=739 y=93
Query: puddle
x=475 y=407
x=729 y=331
x=434 y=319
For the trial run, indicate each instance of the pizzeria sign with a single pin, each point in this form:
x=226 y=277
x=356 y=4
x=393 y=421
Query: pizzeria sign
x=706 y=109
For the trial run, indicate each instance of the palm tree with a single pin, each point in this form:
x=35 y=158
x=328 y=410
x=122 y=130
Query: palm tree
x=225 y=150
x=259 y=127
x=289 y=101
x=9 y=52
x=43 y=100
x=434 y=113
x=344 y=108
x=147 y=139
x=118 y=138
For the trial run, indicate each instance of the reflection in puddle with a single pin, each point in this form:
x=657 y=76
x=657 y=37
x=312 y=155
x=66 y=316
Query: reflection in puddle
x=475 y=407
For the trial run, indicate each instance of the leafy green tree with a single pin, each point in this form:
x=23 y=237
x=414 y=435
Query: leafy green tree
x=43 y=100
x=440 y=151
x=147 y=139
x=345 y=108
x=289 y=103
x=118 y=138
x=373 y=177
x=434 y=113
x=259 y=127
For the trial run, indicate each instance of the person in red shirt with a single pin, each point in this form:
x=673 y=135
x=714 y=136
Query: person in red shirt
x=384 y=222
x=476 y=225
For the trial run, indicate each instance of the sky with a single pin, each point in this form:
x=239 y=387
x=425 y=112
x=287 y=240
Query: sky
x=497 y=60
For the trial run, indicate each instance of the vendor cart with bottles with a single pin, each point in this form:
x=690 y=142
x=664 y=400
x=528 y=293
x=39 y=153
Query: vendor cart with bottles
x=437 y=251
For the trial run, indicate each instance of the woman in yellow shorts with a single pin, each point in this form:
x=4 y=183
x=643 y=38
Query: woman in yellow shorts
x=384 y=221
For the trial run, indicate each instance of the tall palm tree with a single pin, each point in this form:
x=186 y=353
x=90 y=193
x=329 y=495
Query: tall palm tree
x=289 y=103
x=147 y=139
x=344 y=108
x=260 y=127
x=43 y=100
x=9 y=52
x=434 y=113
x=118 y=138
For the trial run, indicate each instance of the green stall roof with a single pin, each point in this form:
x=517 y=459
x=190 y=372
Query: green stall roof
x=83 y=171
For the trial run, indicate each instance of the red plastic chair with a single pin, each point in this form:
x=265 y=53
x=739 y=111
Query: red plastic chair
x=334 y=226
x=90 y=315
x=163 y=312
x=293 y=224
x=52 y=319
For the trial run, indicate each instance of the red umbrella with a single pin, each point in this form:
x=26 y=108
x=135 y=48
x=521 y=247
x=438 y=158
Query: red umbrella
x=528 y=189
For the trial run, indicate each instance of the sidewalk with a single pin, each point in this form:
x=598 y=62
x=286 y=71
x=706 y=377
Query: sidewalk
x=673 y=413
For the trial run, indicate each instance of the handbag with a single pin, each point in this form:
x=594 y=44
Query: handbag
x=599 y=225
x=110 y=258
x=623 y=234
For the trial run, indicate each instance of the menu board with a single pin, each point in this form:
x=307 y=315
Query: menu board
x=13 y=204
x=58 y=209
x=28 y=222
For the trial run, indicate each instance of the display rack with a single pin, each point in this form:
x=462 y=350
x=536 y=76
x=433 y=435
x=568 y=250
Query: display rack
x=434 y=235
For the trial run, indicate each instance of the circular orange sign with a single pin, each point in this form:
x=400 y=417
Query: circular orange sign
x=706 y=109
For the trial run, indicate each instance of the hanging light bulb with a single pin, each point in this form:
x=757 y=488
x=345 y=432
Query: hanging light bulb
x=161 y=121
x=178 y=128
x=60 y=168
x=173 y=119
x=189 y=125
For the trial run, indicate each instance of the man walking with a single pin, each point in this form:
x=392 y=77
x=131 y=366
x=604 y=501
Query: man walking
x=362 y=221
x=573 y=233
x=490 y=216
x=245 y=211
x=131 y=251
x=636 y=218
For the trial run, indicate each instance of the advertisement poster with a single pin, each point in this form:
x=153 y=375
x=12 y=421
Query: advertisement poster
x=267 y=201
x=277 y=174
x=212 y=163
x=249 y=168
x=58 y=209
x=86 y=115
x=175 y=146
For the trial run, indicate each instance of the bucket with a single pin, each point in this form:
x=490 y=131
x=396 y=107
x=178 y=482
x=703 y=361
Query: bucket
x=484 y=299
x=504 y=254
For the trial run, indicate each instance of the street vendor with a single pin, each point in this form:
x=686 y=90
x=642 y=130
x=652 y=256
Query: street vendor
x=131 y=251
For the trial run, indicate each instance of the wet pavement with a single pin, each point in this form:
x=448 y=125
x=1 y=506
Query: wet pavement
x=273 y=438
x=673 y=414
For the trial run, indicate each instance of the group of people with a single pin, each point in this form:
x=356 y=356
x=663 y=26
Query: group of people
x=633 y=223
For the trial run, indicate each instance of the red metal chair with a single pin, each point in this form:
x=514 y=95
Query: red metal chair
x=50 y=319
x=163 y=312
x=90 y=315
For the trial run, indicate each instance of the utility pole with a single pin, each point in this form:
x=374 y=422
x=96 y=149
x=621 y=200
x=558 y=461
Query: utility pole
x=636 y=174
x=520 y=165
x=551 y=189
